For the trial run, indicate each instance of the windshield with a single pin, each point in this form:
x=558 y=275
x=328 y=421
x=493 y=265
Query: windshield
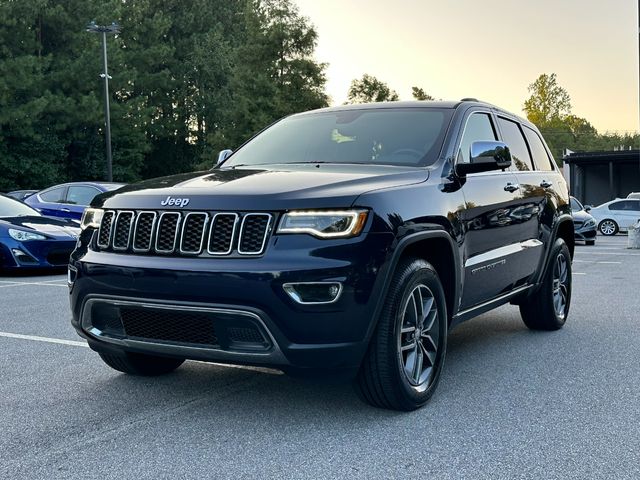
x=10 y=207
x=575 y=205
x=385 y=136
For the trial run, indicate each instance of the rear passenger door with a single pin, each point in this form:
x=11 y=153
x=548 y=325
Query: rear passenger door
x=78 y=198
x=536 y=197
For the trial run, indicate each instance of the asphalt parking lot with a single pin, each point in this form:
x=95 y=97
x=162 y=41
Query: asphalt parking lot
x=511 y=404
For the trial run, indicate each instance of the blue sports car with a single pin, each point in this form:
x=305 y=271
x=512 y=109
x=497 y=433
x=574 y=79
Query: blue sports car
x=68 y=200
x=30 y=240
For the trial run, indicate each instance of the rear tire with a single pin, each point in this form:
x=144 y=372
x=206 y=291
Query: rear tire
x=402 y=366
x=547 y=309
x=139 y=364
x=608 y=227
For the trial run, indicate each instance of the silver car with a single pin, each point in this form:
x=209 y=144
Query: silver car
x=617 y=215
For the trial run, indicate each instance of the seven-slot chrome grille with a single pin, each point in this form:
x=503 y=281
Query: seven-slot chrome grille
x=184 y=233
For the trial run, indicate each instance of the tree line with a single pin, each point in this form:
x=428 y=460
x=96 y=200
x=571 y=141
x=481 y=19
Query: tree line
x=189 y=78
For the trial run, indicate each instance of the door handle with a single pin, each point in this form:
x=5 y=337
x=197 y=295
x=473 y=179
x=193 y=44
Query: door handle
x=66 y=210
x=545 y=184
x=511 y=187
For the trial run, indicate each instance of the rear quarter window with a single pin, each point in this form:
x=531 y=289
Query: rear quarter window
x=540 y=155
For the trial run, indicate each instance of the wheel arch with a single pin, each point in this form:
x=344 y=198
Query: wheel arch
x=439 y=249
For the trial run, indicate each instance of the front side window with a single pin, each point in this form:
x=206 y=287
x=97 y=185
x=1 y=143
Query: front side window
x=81 y=195
x=54 y=195
x=385 y=136
x=515 y=141
x=538 y=152
x=478 y=128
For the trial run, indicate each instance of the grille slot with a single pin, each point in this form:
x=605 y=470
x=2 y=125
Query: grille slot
x=104 y=234
x=167 y=232
x=169 y=326
x=253 y=233
x=143 y=231
x=122 y=230
x=193 y=232
x=223 y=227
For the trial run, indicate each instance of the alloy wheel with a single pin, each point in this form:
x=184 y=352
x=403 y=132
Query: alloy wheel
x=560 y=285
x=419 y=337
x=608 y=227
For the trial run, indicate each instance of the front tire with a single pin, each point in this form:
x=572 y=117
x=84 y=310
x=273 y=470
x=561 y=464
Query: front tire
x=139 y=364
x=608 y=227
x=547 y=309
x=590 y=243
x=402 y=366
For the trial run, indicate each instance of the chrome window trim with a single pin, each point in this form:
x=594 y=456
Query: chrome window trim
x=175 y=236
x=202 y=235
x=133 y=216
x=135 y=229
x=233 y=233
x=113 y=218
x=264 y=238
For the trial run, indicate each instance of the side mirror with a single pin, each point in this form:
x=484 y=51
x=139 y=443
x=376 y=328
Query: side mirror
x=484 y=157
x=223 y=155
x=587 y=208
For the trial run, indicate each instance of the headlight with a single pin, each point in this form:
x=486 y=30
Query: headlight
x=92 y=217
x=22 y=236
x=324 y=224
x=589 y=222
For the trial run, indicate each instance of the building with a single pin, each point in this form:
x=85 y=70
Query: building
x=597 y=177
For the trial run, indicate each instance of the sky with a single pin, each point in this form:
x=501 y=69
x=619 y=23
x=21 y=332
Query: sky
x=488 y=49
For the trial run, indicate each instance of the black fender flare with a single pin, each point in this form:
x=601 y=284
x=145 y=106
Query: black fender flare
x=562 y=219
x=389 y=269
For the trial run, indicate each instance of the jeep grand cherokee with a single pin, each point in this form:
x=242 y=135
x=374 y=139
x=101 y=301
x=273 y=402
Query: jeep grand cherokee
x=348 y=239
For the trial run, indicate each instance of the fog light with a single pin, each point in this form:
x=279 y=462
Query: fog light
x=72 y=273
x=313 y=293
x=22 y=257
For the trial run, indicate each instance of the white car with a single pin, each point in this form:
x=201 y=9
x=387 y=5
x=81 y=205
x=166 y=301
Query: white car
x=634 y=195
x=617 y=215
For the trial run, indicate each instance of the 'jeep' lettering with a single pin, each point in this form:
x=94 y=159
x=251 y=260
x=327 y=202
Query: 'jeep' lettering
x=178 y=202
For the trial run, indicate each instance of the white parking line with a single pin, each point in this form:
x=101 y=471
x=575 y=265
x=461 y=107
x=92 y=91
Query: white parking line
x=624 y=252
x=578 y=273
x=44 y=339
x=84 y=344
x=41 y=284
x=593 y=261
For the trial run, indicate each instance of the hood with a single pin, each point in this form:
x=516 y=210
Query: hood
x=278 y=187
x=54 y=227
x=581 y=215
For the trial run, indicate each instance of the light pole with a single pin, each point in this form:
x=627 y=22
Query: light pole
x=113 y=28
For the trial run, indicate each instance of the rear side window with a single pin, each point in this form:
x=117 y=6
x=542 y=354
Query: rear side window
x=53 y=196
x=630 y=205
x=538 y=152
x=515 y=141
x=479 y=128
x=81 y=195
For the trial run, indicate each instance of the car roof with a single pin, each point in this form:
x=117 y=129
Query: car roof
x=68 y=184
x=467 y=102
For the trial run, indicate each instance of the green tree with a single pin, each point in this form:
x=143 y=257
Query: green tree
x=419 y=94
x=189 y=78
x=369 y=89
x=548 y=101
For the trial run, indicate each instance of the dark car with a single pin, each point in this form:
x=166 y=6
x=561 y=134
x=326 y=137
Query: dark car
x=21 y=194
x=586 y=227
x=31 y=240
x=69 y=200
x=345 y=240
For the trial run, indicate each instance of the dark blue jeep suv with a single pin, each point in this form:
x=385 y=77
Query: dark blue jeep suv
x=348 y=239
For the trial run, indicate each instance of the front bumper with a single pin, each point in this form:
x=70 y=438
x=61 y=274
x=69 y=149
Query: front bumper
x=49 y=253
x=586 y=233
x=239 y=291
